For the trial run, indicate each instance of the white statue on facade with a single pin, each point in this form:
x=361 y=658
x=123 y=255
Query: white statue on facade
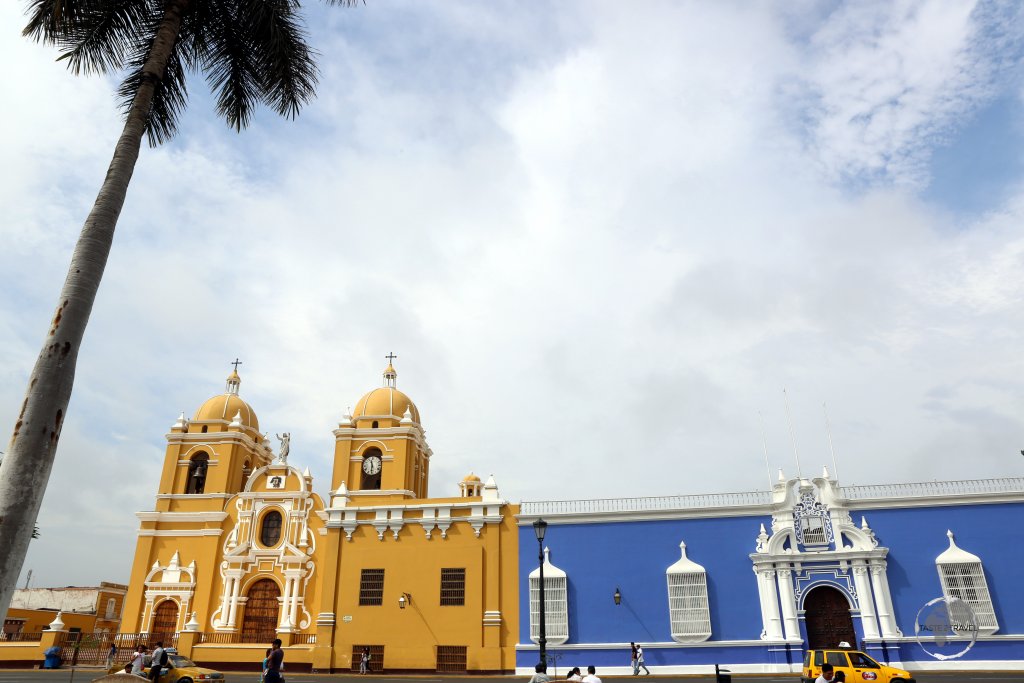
x=285 y=440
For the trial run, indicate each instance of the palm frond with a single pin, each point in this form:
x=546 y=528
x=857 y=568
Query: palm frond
x=106 y=32
x=49 y=20
x=229 y=64
x=169 y=96
x=287 y=71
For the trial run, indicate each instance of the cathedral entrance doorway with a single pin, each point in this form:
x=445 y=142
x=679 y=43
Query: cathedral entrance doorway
x=828 y=619
x=165 y=622
x=259 y=622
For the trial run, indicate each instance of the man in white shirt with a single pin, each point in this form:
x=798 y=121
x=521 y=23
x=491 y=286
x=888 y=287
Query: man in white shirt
x=640 y=662
x=591 y=677
x=155 y=667
x=827 y=674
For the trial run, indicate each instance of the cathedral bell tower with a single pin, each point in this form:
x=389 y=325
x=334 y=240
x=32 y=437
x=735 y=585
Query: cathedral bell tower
x=381 y=453
x=212 y=455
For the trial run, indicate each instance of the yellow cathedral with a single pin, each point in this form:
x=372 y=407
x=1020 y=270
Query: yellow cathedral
x=240 y=550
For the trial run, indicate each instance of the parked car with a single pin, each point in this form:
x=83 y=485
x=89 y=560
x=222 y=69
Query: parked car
x=857 y=666
x=178 y=670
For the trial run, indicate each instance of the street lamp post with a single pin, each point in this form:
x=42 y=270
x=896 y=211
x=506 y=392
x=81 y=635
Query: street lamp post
x=540 y=527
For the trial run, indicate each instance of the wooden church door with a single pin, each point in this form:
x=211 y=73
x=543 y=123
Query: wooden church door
x=259 y=622
x=165 y=622
x=828 y=619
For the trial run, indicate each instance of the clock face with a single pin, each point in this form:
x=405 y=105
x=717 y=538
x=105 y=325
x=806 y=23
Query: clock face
x=372 y=464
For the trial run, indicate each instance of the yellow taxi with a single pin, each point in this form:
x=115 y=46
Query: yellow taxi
x=177 y=670
x=855 y=665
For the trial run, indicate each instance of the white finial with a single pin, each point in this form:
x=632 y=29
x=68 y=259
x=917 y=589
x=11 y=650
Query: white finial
x=763 y=530
x=181 y=423
x=407 y=417
x=952 y=542
x=824 y=472
x=236 y=421
x=307 y=474
x=192 y=565
x=175 y=561
x=193 y=623
x=547 y=555
x=682 y=547
x=782 y=477
x=863 y=522
x=57 y=624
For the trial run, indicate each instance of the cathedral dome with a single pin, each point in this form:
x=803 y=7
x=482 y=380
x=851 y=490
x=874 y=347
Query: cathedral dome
x=227 y=405
x=386 y=401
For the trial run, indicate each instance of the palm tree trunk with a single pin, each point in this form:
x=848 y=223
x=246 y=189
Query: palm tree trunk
x=30 y=454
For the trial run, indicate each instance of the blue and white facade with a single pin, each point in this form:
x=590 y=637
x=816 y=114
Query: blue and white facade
x=745 y=580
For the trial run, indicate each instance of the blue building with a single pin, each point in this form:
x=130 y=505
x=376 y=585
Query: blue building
x=752 y=580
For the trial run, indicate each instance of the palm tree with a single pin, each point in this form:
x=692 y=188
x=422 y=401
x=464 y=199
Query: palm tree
x=251 y=52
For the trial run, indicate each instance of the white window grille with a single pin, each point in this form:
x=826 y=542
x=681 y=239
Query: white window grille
x=556 y=602
x=963 y=577
x=813 y=526
x=688 y=608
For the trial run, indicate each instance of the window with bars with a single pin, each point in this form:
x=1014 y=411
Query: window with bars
x=814 y=530
x=376 y=663
x=688 y=606
x=371 y=587
x=556 y=614
x=451 y=659
x=453 y=586
x=966 y=581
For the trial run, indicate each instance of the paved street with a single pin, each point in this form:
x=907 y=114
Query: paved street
x=85 y=675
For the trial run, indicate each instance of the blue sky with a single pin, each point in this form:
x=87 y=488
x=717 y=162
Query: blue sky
x=600 y=237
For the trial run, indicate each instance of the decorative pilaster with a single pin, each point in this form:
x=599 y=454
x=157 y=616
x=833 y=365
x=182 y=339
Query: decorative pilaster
x=789 y=620
x=866 y=600
x=883 y=599
x=769 y=603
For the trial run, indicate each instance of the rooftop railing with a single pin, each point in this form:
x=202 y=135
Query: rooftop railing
x=645 y=504
x=762 y=498
x=935 y=488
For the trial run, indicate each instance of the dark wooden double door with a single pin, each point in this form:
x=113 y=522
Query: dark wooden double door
x=828 y=619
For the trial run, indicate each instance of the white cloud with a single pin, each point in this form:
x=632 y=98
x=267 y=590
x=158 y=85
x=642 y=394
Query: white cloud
x=599 y=249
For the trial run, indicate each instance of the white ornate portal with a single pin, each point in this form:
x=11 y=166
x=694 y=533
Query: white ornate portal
x=814 y=542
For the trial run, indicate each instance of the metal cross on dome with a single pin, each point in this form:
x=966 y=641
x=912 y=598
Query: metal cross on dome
x=391 y=357
x=236 y=363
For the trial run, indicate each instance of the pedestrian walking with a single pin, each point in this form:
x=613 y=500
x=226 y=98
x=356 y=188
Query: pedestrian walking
x=632 y=658
x=275 y=663
x=540 y=674
x=364 y=661
x=159 y=659
x=111 y=654
x=263 y=667
x=640 y=662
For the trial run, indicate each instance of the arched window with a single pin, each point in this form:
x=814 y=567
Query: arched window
x=375 y=425
x=688 y=610
x=963 y=578
x=270 y=531
x=205 y=427
x=196 y=482
x=556 y=603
